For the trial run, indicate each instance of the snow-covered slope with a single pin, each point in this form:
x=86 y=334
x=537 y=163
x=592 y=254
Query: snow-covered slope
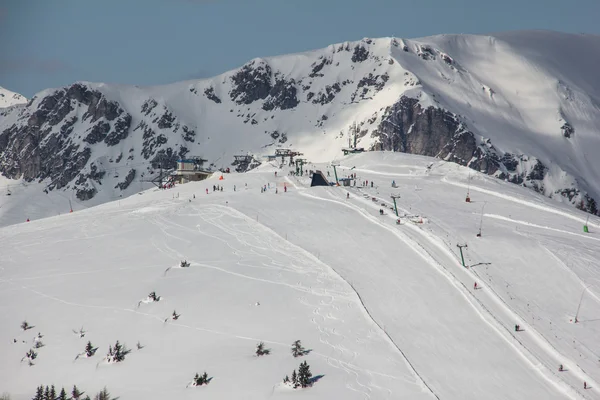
x=522 y=106
x=386 y=309
x=8 y=98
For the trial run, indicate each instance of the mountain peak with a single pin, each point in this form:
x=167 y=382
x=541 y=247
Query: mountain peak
x=9 y=98
x=509 y=105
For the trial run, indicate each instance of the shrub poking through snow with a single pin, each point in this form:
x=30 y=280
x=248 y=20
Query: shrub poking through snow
x=90 y=350
x=175 y=316
x=139 y=345
x=297 y=349
x=184 y=264
x=153 y=297
x=25 y=325
x=261 y=350
x=31 y=355
x=38 y=344
x=200 y=380
x=117 y=353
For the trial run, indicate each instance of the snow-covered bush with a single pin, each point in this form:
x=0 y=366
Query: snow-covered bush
x=117 y=353
x=261 y=350
x=200 y=380
x=90 y=350
x=297 y=349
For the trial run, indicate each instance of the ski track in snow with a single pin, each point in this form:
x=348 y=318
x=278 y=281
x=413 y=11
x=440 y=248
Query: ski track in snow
x=364 y=388
x=503 y=218
x=487 y=315
x=519 y=201
x=366 y=310
x=345 y=365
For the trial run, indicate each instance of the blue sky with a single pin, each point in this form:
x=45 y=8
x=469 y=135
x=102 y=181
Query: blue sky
x=51 y=43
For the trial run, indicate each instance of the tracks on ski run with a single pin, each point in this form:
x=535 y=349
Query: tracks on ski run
x=530 y=345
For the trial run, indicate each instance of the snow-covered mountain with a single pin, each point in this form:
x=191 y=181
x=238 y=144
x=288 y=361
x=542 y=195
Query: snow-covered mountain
x=385 y=304
x=522 y=106
x=8 y=98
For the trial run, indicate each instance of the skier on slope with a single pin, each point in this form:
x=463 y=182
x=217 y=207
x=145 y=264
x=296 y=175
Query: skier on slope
x=475 y=286
x=347 y=196
x=560 y=368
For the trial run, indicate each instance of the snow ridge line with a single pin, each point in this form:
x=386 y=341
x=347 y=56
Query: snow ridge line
x=520 y=201
x=540 y=339
x=525 y=353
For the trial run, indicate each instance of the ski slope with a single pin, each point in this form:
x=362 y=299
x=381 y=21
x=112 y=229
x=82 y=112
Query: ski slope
x=386 y=309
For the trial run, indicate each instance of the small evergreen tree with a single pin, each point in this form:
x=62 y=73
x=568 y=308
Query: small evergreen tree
x=103 y=395
x=39 y=393
x=175 y=315
x=139 y=345
x=294 y=381
x=62 y=395
x=286 y=380
x=297 y=349
x=25 y=325
x=52 y=393
x=261 y=350
x=91 y=350
x=47 y=393
x=76 y=393
x=38 y=344
x=304 y=374
x=117 y=353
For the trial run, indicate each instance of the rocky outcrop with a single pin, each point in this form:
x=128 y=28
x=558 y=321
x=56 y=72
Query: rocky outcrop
x=409 y=128
x=282 y=95
x=251 y=83
x=128 y=179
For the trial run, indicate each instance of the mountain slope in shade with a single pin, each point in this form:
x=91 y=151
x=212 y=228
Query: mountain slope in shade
x=8 y=98
x=522 y=106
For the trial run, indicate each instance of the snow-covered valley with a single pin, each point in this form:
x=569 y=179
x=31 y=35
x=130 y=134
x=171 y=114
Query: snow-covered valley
x=383 y=303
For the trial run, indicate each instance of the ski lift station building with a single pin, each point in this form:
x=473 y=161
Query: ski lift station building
x=190 y=170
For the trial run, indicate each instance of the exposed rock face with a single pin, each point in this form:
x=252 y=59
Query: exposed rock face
x=128 y=179
x=435 y=132
x=210 y=94
x=50 y=143
x=251 y=83
x=281 y=96
x=360 y=54
x=77 y=137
